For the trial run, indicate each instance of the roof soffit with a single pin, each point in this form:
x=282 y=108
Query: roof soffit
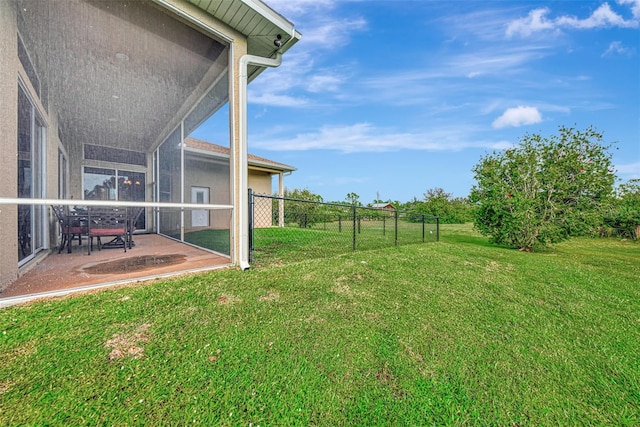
x=255 y=20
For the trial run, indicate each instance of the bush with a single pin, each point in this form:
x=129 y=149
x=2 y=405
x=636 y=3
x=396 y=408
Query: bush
x=544 y=190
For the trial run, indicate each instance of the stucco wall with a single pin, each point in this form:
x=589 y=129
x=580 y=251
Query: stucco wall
x=8 y=136
x=215 y=177
x=260 y=183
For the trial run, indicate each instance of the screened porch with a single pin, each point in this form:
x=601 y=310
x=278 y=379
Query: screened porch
x=107 y=93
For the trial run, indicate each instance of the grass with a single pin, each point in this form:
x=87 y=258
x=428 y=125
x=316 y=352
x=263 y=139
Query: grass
x=276 y=245
x=452 y=333
x=216 y=240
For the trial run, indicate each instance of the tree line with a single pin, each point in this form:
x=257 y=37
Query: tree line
x=544 y=190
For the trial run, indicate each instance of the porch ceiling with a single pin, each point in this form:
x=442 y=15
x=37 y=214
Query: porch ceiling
x=117 y=72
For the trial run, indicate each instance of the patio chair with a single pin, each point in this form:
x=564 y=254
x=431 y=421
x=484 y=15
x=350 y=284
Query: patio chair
x=71 y=225
x=107 y=222
x=132 y=217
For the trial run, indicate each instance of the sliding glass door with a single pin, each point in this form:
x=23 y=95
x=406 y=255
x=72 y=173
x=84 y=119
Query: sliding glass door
x=31 y=137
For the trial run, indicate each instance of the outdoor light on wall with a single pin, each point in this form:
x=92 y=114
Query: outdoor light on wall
x=278 y=41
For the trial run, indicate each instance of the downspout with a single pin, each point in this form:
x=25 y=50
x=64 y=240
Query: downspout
x=245 y=61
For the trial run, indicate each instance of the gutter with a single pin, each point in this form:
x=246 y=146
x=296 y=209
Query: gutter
x=245 y=61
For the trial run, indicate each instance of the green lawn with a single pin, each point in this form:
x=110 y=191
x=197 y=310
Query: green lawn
x=216 y=240
x=273 y=246
x=452 y=333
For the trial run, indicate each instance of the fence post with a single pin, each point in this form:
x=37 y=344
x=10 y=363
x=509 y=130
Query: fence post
x=422 y=228
x=280 y=212
x=437 y=229
x=339 y=223
x=354 y=226
x=250 y=225
x=359 y=224
x=384 y=225
x=396 y=227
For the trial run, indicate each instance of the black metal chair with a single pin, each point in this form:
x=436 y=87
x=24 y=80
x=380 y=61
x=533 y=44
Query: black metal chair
x=107 y=222
x=71 y=225
x=132 y=217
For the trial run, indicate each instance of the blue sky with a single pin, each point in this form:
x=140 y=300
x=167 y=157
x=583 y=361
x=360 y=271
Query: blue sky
x=390 y=98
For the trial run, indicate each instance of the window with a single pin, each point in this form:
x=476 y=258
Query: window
x=115 y=184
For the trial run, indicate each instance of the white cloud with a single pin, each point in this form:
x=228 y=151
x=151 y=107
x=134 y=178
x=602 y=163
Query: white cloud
x=632 y=170
x=536 y=21
x=276 y=100
x=291 y=8
x=324 y=83
x=602 y=17
x=617 y=48
x=331 y=33
x=518 y=116
x=299 y=78
x=364 y=137
x=635 y=6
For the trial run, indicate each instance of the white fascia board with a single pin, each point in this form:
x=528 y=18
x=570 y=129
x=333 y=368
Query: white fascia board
x=271 y=166
x=206 y=153
x=272 y=16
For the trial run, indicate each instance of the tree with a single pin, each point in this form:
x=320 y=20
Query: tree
x=622 y=216
x=302 y=207
x=449 y=209
x=544 y=190
x=353 y=199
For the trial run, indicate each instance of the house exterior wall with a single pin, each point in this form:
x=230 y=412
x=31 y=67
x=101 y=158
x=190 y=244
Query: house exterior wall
x=9 y=65
x=260 y=183
x=215 y=177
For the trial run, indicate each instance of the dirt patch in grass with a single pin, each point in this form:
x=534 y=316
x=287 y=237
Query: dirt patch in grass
x=135 y=263
x=128 y=344
x=228 y=299
x=5 y=387
x=271 y=296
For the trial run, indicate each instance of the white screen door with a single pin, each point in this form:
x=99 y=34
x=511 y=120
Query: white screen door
x=200 y=217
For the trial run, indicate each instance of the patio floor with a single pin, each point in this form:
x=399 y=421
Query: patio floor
x=153 y=255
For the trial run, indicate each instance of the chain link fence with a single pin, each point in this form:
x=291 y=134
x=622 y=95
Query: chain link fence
x=284 y=230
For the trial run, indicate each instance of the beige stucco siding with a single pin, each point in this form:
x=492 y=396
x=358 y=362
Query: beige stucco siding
x=9 y=65
x=260 y=183
x=215 y=177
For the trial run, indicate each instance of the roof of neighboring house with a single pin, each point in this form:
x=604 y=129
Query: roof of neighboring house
x=220 y=151
x=383 y=206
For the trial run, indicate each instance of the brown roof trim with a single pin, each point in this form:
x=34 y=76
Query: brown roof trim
x=214 y=149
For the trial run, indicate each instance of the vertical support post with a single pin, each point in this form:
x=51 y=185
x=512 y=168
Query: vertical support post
x=384 y=225
x=281 y=200
x=182 y=180
x=396 y=227
x=339 y=223
x=251 y=206
x=422 y=228
x=437 y=229
x=353 y=209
